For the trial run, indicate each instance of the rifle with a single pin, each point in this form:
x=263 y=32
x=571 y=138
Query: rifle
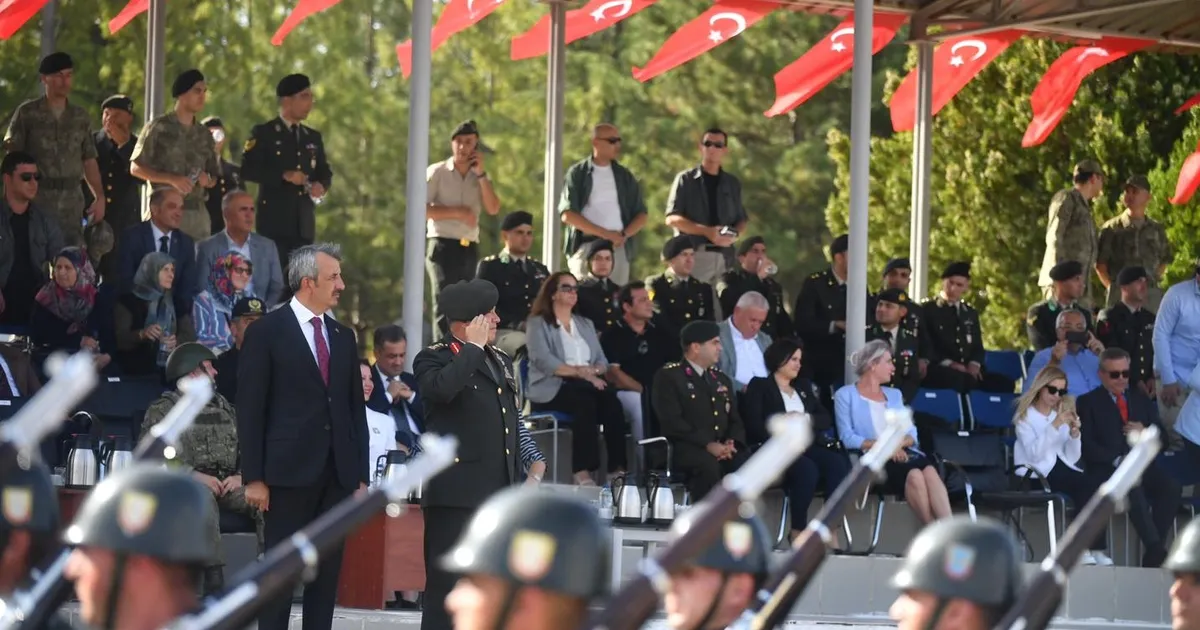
x=633 y=604
x=72 y=378
x=1040 y=599
x=785 y=585
x=259 y=583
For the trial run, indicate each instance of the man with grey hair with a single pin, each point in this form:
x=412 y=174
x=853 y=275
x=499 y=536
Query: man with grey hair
x=1077 y=353
x=302 y=424
x=742 y=340
x=266 y=274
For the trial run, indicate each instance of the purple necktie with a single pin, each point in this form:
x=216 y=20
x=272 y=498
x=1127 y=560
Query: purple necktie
x=322 y=350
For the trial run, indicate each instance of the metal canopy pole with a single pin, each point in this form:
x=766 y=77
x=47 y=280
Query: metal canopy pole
x=922 y=166
x=418 y=159
x=49 y=27
x=156 y=62
x=556 y=75
x=860 y=180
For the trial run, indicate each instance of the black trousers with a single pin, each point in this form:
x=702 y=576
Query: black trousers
x=1153 y=504
x=443 y=526
x=590 y=408
x=1079 y=487
x=447 y=261
x=291 y=509
x=945 y=377
x=800 y=480
x=703 y=471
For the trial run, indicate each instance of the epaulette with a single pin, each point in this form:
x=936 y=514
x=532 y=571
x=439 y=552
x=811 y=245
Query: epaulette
x=441 y=345
x=816 y=275
x=672 y=365
x=491 y=257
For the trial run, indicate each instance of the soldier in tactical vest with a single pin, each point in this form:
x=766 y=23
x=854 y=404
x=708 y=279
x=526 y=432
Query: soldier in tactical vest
x=716 y=586
x=1184 y=563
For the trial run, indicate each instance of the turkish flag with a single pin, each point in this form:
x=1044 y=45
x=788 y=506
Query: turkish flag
x=1189 y=179
x=594 y=17
x=131 y=10
x=1056 y=91
x=458 y=15
x=304 y=8
x=955 y=62
x=725 y=20
x=1191 y=102
x=15 y=13
x=828 y=60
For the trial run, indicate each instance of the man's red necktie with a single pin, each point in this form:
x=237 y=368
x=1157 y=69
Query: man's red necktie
x=1123 y=407
x=322 y=349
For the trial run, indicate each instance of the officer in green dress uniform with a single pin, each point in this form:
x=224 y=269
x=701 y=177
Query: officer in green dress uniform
x=1068 y=278
x=713 y=589
x=952 y=354
x=891 y=307
x=755 y=273
x=599 y=297
x=678 y=297
x=517 y=278
x=820 y=317
x=1129 y=325
x=230 y=178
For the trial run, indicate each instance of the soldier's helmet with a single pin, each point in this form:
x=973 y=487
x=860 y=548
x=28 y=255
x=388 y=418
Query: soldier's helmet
x=185 y=359
x=1185 y=553
x=536 y=538
x=148 y=510
x=28 y=500
x=958 y=558
x=744 y=545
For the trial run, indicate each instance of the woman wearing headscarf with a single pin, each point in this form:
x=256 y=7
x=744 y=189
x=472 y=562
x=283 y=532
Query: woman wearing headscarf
x=213 y=307
x=62 y=317
x=146 y=323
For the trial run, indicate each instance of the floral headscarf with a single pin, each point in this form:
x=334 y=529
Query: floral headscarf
x=220 y=280
x=74 y=304
x=146 y=287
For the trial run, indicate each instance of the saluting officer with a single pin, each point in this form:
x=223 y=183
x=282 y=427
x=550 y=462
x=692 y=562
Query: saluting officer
x=229 y=179
x=287 y=159
x=1068 y=278
x=958 y=574
x=755 y=273
x=820 y=317
x=517 y=278
x=712 y=590
x=141 y=541
x=1129 y=325
x=891 y=307
x=599 y=298
x=529 y=561
x=952 y=357
x=677 y=296
x=1184 y=563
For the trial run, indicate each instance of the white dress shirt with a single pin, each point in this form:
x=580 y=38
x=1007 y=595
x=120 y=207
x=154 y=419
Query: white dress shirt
x=387 y=380
x=381 y=436
x=1040 y=445
x=158 y=234
x=792 y=403
x=575 y=347
x=304 y=316
x=748 y=357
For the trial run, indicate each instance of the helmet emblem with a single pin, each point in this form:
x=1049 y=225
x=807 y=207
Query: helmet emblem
x=531 y=554
x=136 y=512
x=738 y=538
x=18 y=505
x=960 y=562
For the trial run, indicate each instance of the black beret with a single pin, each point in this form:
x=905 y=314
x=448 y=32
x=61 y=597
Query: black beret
x=676 y=246
x=595 y=247
x=212 y=122
x=1130 y=275
x=292 y=85
x=118 y=101
x=1066 y=270
x=699 y=331
x=249 y=306
x=839 y=245
x=896 y=263
x=957 y=269
x=185 y=81
x=1138 y=181
x=514 y=220
x=55 y=62
x=467 y=128
x=467 y=299
x=747 y=244
x=895 y=296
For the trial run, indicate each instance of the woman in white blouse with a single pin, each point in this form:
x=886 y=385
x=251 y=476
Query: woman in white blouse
x=1048 y=441
x=381 y=428
x=566 y=374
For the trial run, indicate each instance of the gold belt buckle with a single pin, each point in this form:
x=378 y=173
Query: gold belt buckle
x=464 y=242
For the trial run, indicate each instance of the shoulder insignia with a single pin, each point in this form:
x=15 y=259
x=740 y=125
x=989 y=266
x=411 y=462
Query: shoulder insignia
x=249 y=144
x=489 y=258
x=672 y=365
x=815 y=276
x=441 y=345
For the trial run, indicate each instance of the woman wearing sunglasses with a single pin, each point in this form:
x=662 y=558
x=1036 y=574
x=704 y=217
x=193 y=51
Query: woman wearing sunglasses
x=1048 y=442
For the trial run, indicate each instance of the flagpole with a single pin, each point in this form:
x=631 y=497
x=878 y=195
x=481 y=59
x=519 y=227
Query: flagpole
x=49 y=27
x=552 y=233
x=156 y=61
x=418 y=160
x=860 y=180
x=922 y=166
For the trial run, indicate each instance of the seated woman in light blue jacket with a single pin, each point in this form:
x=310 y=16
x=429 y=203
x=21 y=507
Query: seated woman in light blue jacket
x=859 y=410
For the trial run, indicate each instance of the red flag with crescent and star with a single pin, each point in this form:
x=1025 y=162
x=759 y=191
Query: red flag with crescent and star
x=588 y=20
x=458 y=15
x=15 y=13
x=725 y=20
x=1056 y=91
x=1189 y=179
x=828 y=60
x=955 y=62
x=131 y=10
x=1190 y=103
x=304 y=9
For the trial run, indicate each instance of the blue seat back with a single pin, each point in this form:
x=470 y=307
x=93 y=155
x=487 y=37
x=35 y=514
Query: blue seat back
x=943 y=403
x=1006 y=362
x=990 y=410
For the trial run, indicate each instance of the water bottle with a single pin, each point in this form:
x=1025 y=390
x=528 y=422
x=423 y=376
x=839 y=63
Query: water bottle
x=606 y=503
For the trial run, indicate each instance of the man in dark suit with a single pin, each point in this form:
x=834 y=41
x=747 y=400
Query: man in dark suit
x=162 y=234
x=469 y=392
x=1106 y=415
x=302 y=423
x=395 y=391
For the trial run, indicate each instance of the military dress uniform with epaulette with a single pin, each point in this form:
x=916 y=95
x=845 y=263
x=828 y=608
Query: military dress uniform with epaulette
x=1070 y=235
x=680 y=300
x=737 y=282
x=1040 y=322
x=229 y=180
x=1132 y=331
x=695 y=409
x=169 y=146
x=911 y=319
x=822 y=301
x=285 y=210
x=952 y=334
x=518 y=281
x=600 y=302
x=906 y=355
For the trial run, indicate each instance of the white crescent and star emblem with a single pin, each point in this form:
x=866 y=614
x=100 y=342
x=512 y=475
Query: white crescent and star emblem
x=980 y=50
x=841 y=32
x=623 y=7
x=1093 y=51
x=471 y=5
x=737 y=18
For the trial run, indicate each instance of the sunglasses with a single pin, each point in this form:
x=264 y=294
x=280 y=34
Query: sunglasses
x=714 y=145
x=616 y=140
x=30 y=177
x=1118 y=374
x=245 y=271
x=1056 y=391
x=567 y=288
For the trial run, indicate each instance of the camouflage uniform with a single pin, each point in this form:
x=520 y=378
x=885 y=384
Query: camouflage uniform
x=168 y=145
x=1125 y=243
x=1070 y=235
x=60 y=144
x=210 y=447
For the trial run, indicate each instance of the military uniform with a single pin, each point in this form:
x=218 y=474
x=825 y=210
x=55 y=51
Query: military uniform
x=822 y=301
x=229 y=180
x=1070 y=235
x=906 y=355
x=60 y=144
x=518 y=282
x=737 y=282
x=170 y=146
x=122 y=191
x=953 y=334
x=680 y=300
x=1124 y=242
x=600 y=301
x=911 y=319
x=1040 y=322
x=1132 y=331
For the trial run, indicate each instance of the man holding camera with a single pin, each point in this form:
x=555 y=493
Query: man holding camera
x=1077 y=352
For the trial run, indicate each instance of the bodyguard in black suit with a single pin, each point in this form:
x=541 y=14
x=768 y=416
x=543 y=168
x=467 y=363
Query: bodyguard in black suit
x=395 y=392
x=1129 y=325
x=162 y=233
x=302 y=425
x=469 y=392
x=1107 y=414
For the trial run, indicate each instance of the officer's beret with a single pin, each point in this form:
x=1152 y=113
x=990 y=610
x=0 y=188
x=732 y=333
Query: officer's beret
x=55 y=62
x=1066 y=270
x=595 y=247
x=1138 y=181
x=895 y=296
x=185 y=81
x=1088 y=167
x=466 y=128
x=514 y=220
x=699 y=331
x=292 y=85
x=957 y=269
x=118 y=101
x=249 y=306
x=676 y=245
x=747 y=244
x=465 y=300
x=1129 y=275
x=896 y=263
x=839 y=245
x=212 y=122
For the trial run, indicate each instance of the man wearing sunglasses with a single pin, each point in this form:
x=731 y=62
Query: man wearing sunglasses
x=29 y=238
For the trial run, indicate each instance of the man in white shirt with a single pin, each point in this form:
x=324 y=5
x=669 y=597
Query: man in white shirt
x=743 y=342
x=396 y=390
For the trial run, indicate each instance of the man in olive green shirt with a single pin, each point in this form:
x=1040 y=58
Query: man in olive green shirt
x=176 y=150
x=1071 y=230
x=1131 y=239
x=58 y=134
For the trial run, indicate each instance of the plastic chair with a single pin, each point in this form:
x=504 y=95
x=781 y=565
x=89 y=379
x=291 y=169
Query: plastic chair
x=1006 y=362
x=554 y=418
x=990 y=411
x=943 y=403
